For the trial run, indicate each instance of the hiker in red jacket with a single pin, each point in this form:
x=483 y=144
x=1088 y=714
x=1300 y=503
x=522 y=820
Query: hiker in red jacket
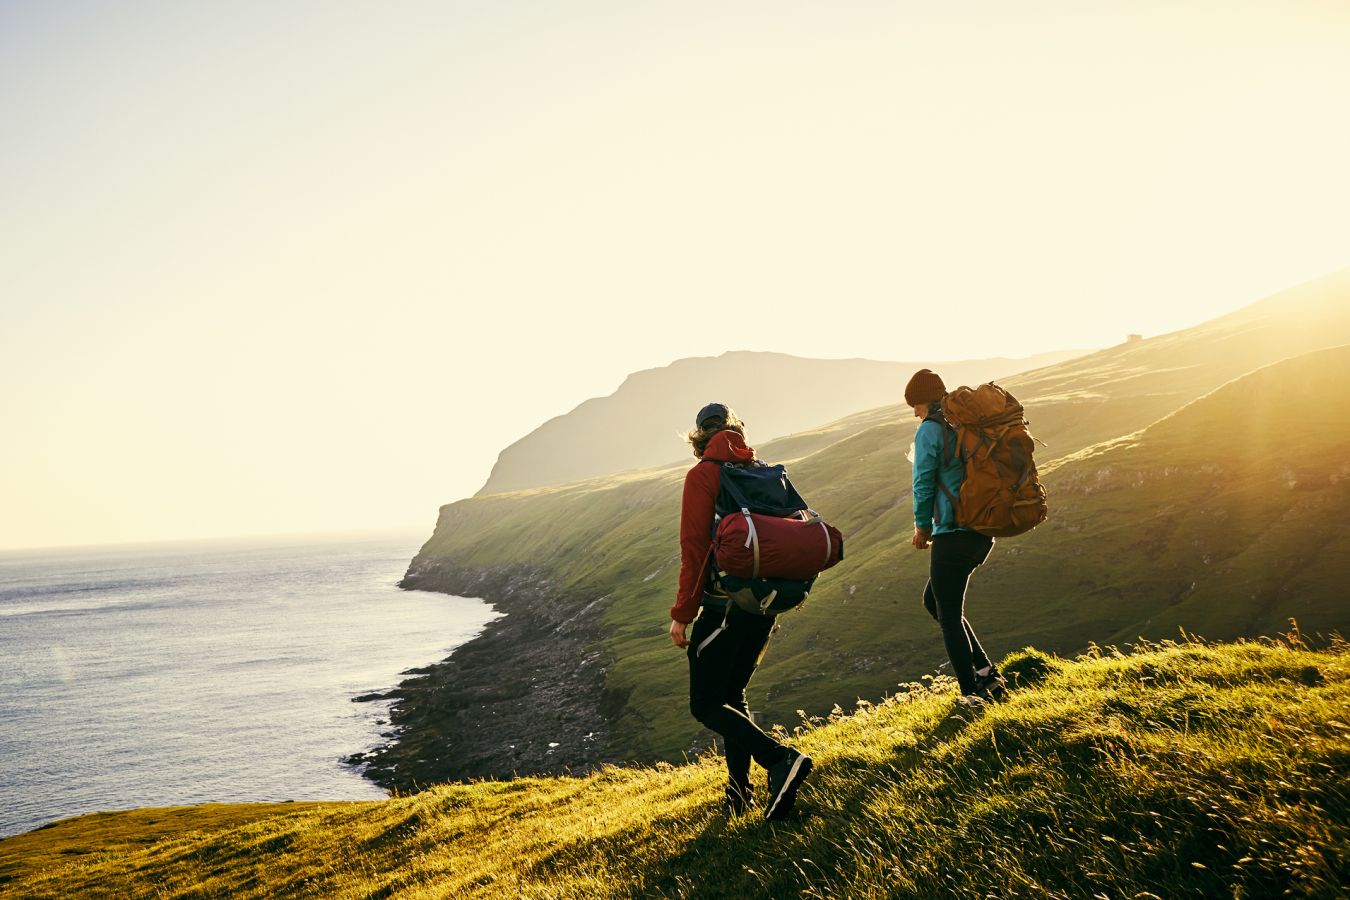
x=726 y=644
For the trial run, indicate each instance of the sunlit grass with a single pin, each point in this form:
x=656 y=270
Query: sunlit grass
x=1192 y=769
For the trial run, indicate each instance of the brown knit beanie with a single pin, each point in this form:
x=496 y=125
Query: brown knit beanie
x=924 y=387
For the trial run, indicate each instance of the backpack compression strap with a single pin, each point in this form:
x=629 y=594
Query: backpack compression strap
x=751 y=539
x=810 y=515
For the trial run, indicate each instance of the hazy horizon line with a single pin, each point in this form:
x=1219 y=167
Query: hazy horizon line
x=352 y=534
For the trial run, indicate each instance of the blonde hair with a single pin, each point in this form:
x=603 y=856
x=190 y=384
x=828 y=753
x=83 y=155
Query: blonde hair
x=698 y=437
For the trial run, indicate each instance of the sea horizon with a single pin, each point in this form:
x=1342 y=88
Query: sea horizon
x=337 y=535
x=206 y=670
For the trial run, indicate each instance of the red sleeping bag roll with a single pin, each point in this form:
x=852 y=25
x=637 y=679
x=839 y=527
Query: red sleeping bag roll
x=757 y=546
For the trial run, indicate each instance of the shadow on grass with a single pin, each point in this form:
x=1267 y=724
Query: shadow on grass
x=729 y=847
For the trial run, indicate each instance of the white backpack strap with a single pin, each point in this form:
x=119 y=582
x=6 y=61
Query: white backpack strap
x=716 y=631
x=751 y=539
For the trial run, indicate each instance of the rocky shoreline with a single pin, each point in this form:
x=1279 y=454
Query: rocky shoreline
x=525 y=697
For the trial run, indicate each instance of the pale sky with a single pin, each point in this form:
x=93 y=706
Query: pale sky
x=282 y=266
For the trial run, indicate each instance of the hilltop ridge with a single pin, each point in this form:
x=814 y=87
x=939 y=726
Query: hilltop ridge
x=641 y=421
x=1121 y=389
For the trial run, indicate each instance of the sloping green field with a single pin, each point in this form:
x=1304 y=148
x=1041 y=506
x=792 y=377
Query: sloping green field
x=1178 y=770
x=1225 y=514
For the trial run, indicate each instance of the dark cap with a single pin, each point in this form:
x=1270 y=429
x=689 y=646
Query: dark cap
x=925 y=387
x=712 y=411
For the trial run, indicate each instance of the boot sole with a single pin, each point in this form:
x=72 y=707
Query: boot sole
x=787 y=796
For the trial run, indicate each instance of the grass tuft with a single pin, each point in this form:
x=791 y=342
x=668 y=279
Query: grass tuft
x=1028 y=667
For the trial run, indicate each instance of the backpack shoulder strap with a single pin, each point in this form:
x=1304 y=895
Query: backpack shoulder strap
x=950 y=497
x=951 y=449
x=949 y=439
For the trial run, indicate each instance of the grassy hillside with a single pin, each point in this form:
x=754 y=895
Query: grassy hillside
x=1122 y=389
x=639 y=424
x=1224 y=518
x=1233 y=512
x=1192 y=522
x=1177 y=770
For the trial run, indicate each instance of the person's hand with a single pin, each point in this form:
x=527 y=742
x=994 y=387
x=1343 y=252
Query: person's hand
x=677 y=634
x=921 y=538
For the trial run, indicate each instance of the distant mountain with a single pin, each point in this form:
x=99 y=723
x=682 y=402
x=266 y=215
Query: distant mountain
x=1197 y=480
x=775 y=393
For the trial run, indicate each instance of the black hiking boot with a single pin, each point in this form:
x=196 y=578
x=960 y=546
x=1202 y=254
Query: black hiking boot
x=784 y=779
x=991 y=687
x=740 y=799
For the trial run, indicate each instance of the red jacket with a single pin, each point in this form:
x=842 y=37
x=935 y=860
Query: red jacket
x=696 y=520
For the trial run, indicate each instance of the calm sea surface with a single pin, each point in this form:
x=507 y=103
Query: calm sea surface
x=189 y=673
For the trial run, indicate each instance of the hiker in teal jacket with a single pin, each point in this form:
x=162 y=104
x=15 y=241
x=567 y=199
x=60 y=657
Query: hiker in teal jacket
x=937 y=474
x=955 y=551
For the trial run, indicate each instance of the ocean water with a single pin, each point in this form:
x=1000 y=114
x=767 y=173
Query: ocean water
x=188 y=673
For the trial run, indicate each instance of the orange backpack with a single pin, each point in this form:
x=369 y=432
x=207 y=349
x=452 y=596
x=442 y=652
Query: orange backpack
x=1001 y=495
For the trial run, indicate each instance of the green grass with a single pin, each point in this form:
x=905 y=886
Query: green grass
x=1172 y=770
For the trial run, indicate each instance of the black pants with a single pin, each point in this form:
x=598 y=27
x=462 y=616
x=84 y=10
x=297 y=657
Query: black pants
x=720 y=665
x=954 y=556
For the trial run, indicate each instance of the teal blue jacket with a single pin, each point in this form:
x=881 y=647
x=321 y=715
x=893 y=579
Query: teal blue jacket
x=932 y=461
